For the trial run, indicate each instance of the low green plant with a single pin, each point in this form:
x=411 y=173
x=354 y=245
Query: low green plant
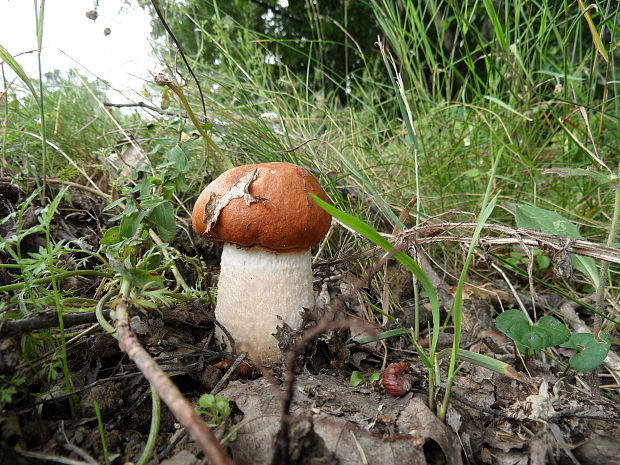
x=430 y=359
x=9 y=386
x=217 y=408
x=104 y=444
x=550 y=332
x=357 y=378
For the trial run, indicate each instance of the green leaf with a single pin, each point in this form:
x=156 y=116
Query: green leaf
x=590 y=352
x=378 y=337
x=356 y=378
x=601 y=178
x=374 y=377
x=16 y=67
x=547 y=332
x=130 y=223
x=113 y=204
x=137 y=277
x=528 y=216
x=507 y=107
x=178 y=157
x=162 y=217
x=151 y=262
x=486 y=362
x=371 y=234
x=206 y=400
x=111 y=236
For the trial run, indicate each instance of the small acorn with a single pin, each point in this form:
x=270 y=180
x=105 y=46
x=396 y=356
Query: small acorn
x=396 y=380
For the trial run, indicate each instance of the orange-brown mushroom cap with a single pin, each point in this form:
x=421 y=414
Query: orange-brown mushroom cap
x=266 y=205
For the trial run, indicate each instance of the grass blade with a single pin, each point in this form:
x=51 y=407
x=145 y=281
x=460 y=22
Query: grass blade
x=17 y=69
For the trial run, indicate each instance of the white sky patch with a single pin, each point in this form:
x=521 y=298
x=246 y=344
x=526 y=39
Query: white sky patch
x=71 y=40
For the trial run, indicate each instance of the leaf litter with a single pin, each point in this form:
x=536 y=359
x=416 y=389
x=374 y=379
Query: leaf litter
x=492 y=419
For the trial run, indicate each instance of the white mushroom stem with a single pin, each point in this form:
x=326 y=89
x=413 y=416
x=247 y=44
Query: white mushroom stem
x=257 y=291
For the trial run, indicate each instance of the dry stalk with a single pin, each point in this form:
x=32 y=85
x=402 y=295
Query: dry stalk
x=281 y=449
x=168 y=392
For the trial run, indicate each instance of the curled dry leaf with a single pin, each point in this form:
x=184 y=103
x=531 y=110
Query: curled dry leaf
x=239 y=190
x=397 y=380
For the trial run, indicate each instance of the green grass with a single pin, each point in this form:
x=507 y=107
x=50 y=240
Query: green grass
x=459 y=84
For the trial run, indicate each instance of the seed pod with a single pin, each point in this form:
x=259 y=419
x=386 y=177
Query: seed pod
x=396 y=380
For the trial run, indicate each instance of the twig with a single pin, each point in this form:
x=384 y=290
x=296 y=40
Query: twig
x=507 y=416
x=47 y=320
x=430 y=233
x=139 y=105
x=62 y=182
x=229 y=372
x=281 y=448
x=194 y=367
x=169 y=393
x=160 y=15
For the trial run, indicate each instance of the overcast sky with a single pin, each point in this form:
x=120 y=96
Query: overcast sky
x=123 y=57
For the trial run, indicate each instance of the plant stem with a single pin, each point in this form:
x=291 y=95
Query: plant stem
x=104 y=444
x=154 y=430
x=99 y=313
x=221 y=159
x=611 y=238
x=59 y=276
x=457 y=306
x=169 y=393
x=39 y=20
x=175 y=271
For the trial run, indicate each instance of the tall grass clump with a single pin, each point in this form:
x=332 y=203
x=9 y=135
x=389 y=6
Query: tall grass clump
x=459 y=103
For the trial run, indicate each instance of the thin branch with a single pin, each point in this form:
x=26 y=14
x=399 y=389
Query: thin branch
x=61 y=182
x=281 y=448
x=169 y=393
x=47 y=320
x=139 y=105
x=160 y=15
x=436 y=233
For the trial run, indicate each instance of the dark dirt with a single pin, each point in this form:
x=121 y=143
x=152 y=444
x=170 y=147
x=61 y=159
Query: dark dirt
x=493 y=419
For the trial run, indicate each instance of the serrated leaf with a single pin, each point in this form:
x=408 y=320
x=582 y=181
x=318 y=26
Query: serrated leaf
x=528 y=216
x=547 y=332
x=590 y=352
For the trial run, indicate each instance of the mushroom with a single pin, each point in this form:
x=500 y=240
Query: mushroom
x=264 y=215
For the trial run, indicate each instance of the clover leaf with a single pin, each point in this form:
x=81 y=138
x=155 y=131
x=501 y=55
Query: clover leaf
x=547 y=332
x=590 y=352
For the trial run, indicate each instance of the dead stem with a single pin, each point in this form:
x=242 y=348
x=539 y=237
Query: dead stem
x=281 y=448
x=169 y=393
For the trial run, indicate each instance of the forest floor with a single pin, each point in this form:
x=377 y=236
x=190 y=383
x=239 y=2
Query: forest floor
x=542 y=414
